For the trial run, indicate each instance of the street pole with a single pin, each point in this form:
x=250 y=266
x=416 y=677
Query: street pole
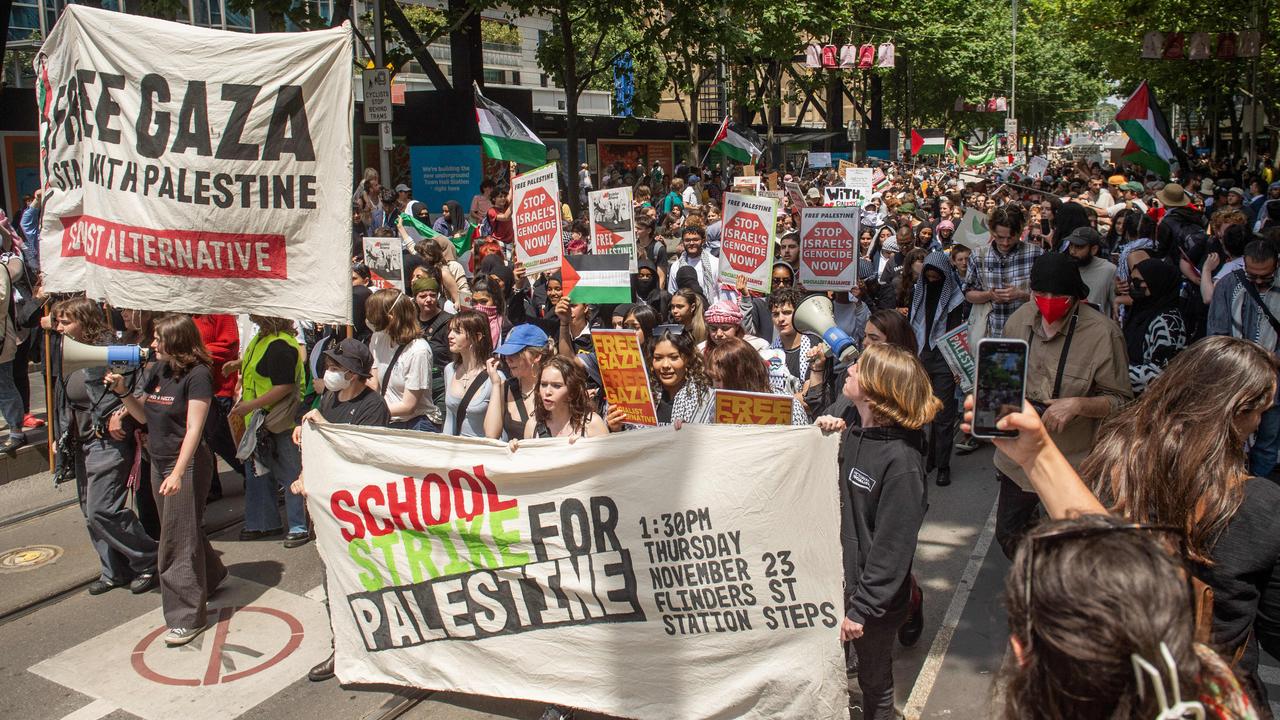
x=384 y=152
x=1013 y=70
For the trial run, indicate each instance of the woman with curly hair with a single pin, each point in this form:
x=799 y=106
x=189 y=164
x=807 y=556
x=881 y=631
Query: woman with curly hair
x=883 y=496
x=563 y=408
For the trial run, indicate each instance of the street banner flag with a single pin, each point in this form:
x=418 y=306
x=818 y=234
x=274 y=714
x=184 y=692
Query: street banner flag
x=547 y=574
x=535 y=219
x=596 y=279
x=623 y=373
x=504 y=137
x=194 y=170
x=978 y=155
x=928 y=142
x=1150 y=144
x=733 y=144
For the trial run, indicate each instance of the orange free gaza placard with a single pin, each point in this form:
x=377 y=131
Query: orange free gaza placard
x=626 y=380
x=734 y=407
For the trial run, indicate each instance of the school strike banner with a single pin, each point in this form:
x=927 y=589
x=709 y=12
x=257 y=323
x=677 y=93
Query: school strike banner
x=196 y=170
x=535 y=219
x=746 y=240
x=622 y=369
x=636 y=574
x=612 y=223
x=829 y=248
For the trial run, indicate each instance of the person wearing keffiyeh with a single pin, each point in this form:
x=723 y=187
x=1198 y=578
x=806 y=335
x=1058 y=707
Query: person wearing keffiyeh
x=937 y=307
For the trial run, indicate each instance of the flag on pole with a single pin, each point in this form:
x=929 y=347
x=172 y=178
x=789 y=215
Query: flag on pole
x=504 y=137
x=596 y=279
x=929 y=141
x=1150 y=144
x=983 y=154
x=733 y=144
x=419 y=230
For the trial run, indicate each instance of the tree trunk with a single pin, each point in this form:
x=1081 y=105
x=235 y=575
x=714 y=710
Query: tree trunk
x=571 y=93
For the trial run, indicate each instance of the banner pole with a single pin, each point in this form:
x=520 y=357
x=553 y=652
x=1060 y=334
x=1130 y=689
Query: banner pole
x=50 y=411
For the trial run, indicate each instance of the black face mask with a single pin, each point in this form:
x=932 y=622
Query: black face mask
x=1139 y=292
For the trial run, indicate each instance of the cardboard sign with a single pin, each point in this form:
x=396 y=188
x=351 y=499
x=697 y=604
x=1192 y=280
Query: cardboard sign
x=955 y=350
x=746 y=185
x=735 y=407
x=385 y=259
x=542 y=574
x=843 y=166
x=841 y=196
x=772 y=180
x=829 y=248
x=535 y=219
x=626 y=379
x=612 y=223
x=194 y=170
x=746 y=240
x=862 y=180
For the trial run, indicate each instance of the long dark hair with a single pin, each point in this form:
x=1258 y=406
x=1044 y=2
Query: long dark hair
x=896 y=328
x=1175 y=456
x=181 y=340
x=475 y=326
x=1082 y=597
x=737 y=366
x=688 y=349
x=575 y=381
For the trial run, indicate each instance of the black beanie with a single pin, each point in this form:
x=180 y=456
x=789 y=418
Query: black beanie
x=1058 y=274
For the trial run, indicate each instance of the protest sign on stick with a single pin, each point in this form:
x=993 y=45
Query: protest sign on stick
x=535 y=219
x=625 y=376
x=385 y=261
x=612 y=223
x=190 y=170
x=522 y=574
x=829 y=248
x=746 y=240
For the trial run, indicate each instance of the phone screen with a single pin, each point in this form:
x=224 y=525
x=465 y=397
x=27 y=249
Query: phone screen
x=1044 y=226
x=1001 y=384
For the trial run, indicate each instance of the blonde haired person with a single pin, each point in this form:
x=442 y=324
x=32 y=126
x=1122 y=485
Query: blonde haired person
x=883 y=499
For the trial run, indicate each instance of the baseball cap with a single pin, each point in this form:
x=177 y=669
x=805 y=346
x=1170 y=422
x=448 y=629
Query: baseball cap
x=1237 y=191
x=402 y=188
x=522 y=337
x=1132 y=186
x=813 y=193
x=1084 y=236
x=353 y=356
x=1116 y=180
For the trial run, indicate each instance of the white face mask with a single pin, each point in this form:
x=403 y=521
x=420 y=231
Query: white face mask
x=335 y=380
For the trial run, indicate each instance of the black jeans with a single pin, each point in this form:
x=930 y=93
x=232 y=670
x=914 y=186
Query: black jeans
x=942 y=429
x=875 y=663
x=1017 y=510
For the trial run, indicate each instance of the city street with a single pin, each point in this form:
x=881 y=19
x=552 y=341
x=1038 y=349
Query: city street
x=75 y=657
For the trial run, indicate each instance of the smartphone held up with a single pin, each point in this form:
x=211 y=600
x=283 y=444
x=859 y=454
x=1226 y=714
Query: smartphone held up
x=1000 y=385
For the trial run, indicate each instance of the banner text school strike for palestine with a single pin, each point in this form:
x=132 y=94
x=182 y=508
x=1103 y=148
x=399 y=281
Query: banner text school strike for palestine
x=196 y=170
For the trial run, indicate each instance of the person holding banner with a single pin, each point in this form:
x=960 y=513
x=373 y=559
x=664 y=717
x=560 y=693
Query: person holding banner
x=467 y=389
x=883 y=498
x=733 y=364
x=680 y=387
x=172 y=399
x=563 y=407
x=513 y=375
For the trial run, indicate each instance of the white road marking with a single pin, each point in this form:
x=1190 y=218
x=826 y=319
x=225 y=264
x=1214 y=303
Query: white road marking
x=316 y=593
x=93 y=711
x=942 y=641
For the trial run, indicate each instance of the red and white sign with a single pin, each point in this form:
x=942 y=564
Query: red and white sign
x=612 y=223
x=746 y=241
x=536 y=220
x=829 y=248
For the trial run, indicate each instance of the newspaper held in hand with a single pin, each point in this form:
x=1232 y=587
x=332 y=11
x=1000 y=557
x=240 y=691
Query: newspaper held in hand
x=955 y=350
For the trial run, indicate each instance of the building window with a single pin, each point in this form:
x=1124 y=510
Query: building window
x=24 y=19
x=214 y=14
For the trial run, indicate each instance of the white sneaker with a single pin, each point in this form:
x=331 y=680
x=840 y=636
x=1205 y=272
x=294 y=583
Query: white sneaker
x=181 y=636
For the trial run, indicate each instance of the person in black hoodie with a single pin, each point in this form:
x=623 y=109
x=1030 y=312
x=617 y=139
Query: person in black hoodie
x=883 y=501
x=646 y=287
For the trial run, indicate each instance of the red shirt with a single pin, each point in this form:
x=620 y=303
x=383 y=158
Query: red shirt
x=222 y=339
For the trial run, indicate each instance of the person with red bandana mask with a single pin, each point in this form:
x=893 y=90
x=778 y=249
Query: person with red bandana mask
x=1077 y=375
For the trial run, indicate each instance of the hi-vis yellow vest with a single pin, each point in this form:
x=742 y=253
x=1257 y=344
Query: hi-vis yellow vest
x=252 y=384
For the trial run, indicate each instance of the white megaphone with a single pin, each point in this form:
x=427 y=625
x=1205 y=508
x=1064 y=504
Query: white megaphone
x=77 y=356
x=815 y=315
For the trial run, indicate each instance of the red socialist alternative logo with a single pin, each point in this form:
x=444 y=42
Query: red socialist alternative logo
x=828 y=249
x=539 y=222
x=745 y=242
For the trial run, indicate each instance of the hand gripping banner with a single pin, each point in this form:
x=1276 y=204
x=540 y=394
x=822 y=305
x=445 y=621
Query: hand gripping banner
x=649 y=574
x=196 y=170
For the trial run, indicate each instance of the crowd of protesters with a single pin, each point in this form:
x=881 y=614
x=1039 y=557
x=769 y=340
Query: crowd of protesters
x=1118 y=281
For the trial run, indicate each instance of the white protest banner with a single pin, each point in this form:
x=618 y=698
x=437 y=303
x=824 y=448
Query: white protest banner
x=860 y=179
x=795 y=193
x=385 y=261
x=747 y=185
x=841 y=196
x=554 y=572
x=972 y=230
x=195 y=170
x=829 y=248
x=746 y=240
x=535 y=219
x=612 y=223
x=1037 y=167
x=819 y=159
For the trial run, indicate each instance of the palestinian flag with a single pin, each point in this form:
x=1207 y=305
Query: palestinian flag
x=979 y=155
x=733 y=144
x=951 y=153
x=419 y=230
x=928 y=142
x=1150 y=144
x=504 y=137
x=596 y=279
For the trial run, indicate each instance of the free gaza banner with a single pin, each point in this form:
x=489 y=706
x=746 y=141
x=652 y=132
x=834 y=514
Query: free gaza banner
x=746 y=240
x=564 y=574
x=535 y=219
x=195 y=170
x=829 y=248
